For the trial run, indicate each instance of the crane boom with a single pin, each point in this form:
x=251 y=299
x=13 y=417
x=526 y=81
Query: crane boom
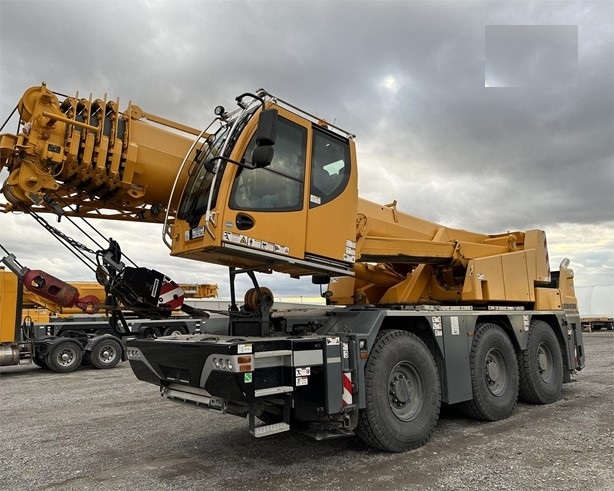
x=87 y=154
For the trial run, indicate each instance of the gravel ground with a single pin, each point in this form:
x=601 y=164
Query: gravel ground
x=97 y=429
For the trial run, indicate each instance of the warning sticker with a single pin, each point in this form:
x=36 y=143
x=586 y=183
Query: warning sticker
x=303 y=372
x=245 y=240
x=244 y=349
x=195 y=233
x=333 y=341
x=346 y=350
x=454 y=326
x=301 y=381
x=437 y=326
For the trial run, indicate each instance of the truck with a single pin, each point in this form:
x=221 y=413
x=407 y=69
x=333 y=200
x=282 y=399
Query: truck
x=591 y=324
x=62 y=338
x=418 y=314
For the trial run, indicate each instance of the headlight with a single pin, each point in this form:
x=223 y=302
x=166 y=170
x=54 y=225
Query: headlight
x=216 y=363
x=229 y=364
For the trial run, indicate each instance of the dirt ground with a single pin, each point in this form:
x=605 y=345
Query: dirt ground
x=97 y=429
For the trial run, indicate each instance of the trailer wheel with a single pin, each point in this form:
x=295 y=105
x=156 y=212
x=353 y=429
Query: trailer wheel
x=541 y=366
x=106 y=353
x=402 y=391
x=150 y=332
x=173 y=329
x=65 y=357
x=494 y=375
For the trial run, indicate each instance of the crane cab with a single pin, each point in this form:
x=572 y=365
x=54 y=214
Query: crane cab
x=271 y=190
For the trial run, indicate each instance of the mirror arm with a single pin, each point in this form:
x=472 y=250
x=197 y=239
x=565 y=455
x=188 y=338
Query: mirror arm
x=247 y=165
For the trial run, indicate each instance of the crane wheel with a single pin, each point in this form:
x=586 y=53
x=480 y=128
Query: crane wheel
x=494 y=375
x=541 y=366
x=402 y=392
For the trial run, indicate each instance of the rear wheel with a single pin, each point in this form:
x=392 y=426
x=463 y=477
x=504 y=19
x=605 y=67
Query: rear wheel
x=150 y=332
x=65 y=357
x=494 y=375
x=106 y=353
x=174 y=329
x=402 y=391
x=541 y=366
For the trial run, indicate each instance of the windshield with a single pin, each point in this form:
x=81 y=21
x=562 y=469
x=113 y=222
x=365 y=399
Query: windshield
x=196 y=196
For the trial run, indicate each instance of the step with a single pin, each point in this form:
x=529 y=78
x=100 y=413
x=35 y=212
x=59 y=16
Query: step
x=266 y=430
x=282 y=389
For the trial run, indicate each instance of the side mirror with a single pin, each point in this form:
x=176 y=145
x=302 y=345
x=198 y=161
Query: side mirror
x=320 y=279
x=262 y=156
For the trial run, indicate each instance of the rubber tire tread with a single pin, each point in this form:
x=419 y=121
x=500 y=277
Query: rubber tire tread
x=370 y=429
x=477 y=408
x=94 y=354
x=167 y=331
x=531 y=389
x=40 y=362
x=51 y=358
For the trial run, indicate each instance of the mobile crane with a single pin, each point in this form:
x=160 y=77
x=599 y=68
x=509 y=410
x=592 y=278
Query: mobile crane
x=418 y=314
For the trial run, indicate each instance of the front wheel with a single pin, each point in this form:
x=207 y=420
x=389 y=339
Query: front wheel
x=402 y=391
x=494 y=374
x=541 y=366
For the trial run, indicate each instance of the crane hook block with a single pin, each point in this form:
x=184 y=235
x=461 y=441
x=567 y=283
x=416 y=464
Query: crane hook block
x=50 y=288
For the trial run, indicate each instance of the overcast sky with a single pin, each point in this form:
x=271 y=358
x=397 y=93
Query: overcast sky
x=488 y=116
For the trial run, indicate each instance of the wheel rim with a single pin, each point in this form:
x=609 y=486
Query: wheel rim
x=495 y=369
x=405 y=391
x=107 y=354
x=66 y=357
x=545 y=362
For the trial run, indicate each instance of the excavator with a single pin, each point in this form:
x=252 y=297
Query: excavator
x=417 y=314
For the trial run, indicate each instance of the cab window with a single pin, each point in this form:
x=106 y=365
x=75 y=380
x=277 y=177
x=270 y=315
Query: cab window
x=330 y=171
x=278 y=187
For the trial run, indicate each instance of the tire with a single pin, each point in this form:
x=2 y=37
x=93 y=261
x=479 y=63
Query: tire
x=172 y=329
x=494 y=375
x=150 y=332
x=541 y=366
x=402 y=391
x=64 y=357
x=40 y=362
x=107 y=353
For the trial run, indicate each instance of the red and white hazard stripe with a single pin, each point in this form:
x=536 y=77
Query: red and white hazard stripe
x=347 y=388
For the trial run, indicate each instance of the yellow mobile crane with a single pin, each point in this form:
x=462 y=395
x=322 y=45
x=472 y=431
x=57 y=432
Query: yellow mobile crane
x=419 y=313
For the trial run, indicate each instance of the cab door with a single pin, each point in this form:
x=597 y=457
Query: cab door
x=333 y=201
x=266 y=211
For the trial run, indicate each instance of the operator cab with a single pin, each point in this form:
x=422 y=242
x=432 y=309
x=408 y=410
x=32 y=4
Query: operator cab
x=274 y=188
